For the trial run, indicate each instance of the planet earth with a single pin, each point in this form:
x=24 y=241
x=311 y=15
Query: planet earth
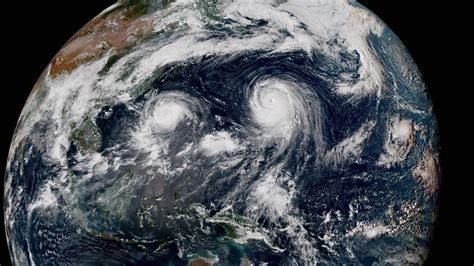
x=194 y=132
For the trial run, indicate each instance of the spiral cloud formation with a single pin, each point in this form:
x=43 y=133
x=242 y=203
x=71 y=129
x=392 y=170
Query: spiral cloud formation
x=230 y=132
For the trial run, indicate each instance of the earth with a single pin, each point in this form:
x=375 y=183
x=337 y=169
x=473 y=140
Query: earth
x=225 y=132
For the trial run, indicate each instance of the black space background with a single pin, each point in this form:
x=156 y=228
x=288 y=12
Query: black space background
x=32 y=32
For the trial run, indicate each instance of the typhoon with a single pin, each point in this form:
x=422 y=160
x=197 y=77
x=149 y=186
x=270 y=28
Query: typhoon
x=194 y=132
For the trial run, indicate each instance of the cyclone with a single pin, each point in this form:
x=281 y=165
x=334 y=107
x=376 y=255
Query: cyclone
x=228 y=133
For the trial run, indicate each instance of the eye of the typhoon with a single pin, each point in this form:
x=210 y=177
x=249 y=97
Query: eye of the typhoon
x=280 y=133
x=166 y=113
x=273 y=104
